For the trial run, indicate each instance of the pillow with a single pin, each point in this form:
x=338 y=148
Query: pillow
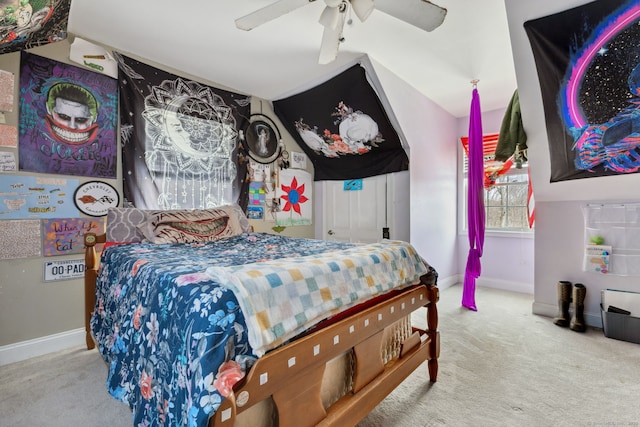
x=186 y=226
x=122 y=224
x=242 y=217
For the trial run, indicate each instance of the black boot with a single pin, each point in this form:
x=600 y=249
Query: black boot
x=564 y=299
x=577 y=321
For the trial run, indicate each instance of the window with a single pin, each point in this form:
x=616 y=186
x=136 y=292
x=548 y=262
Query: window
x=506 y=201
x=505 y=196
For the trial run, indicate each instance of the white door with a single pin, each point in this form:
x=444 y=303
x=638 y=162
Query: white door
x=357 y=216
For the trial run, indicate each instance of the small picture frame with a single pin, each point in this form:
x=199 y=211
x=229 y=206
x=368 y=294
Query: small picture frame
x=298 y=160
x=255 y=212
x=262 y=140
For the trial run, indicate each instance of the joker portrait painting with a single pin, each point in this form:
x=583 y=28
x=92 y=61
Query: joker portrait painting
x=67 y=119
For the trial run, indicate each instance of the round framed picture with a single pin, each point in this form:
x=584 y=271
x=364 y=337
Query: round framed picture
x=262 y=139
x=94 y=198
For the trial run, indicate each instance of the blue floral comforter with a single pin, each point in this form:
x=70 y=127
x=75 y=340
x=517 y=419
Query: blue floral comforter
x=174 y=339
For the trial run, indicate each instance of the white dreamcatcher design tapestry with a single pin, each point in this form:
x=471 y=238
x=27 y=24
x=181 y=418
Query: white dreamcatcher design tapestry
x=180 y=140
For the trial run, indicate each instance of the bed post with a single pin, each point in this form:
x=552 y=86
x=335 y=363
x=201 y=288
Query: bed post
x=430 y=280
x=90 y=276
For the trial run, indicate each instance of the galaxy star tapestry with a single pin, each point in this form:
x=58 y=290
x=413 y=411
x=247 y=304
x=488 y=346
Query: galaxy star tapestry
x=29 y=23
x=588 y=64
x=180 y=144
x=343 y=128
x=68 y=119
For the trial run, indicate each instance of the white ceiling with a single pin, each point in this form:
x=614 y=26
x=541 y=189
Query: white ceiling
x=199 y=37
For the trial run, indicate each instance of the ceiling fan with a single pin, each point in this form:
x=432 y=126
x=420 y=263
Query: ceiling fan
x=420 y=13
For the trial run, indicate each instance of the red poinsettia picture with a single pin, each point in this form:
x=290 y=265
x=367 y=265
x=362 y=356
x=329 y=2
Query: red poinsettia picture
x=292 y=192
x=294 y=197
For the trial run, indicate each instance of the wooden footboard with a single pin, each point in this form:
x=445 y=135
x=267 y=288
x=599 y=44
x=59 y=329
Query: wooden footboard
x=92 y=263
x=292 y=374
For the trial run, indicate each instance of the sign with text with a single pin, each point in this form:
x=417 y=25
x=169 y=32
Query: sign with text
x=353 y=185
x=63 y=270
x=64 y=236
x=29 y=197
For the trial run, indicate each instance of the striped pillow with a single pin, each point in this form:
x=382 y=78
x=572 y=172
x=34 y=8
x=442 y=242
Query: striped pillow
x=186 y=226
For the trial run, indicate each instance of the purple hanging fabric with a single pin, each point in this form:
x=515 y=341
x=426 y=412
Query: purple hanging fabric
x=475 y=204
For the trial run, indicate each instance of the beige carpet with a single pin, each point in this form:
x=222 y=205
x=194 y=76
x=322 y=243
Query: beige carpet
x=504 y=366
x=500 y=366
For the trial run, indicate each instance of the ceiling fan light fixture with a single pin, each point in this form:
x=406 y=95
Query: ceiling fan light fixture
x=362 y=8
x=330 y=17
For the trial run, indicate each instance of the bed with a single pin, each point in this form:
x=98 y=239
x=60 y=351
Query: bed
x=187 y=343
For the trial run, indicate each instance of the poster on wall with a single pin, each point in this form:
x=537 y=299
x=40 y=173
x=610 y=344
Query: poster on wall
x=7 y=161
x=24 y=197
x=68 y=118
x=64 y=236
x=30 y=23
x=181 y=145
x=588 y=65
x=7 y=82
x=20 y=239
x=8 y=136
x=294 y=193
x=343 y=128
x=93 y=56
x=257 y=193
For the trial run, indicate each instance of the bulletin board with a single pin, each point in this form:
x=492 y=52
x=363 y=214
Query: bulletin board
x=612 y=238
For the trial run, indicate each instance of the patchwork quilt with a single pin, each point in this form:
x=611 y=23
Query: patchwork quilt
x=177 y=338
x=282 y=298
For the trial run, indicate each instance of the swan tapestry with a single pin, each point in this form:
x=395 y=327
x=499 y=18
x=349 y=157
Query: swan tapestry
x=588 y=64
x=343 y=128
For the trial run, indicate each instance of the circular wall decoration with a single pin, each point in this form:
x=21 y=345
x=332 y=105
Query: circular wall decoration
x=262 y=139
x=94 y=198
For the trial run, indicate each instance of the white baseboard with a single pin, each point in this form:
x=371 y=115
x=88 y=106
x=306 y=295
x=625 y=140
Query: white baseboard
x=542 y=309
x=40 y=346
x=551 y=310
x=505 y=285
x=447 y=282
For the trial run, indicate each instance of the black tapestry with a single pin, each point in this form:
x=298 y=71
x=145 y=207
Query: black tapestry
x=588 y=64
x=343 y=128
x=28 y=24
x=181 y=148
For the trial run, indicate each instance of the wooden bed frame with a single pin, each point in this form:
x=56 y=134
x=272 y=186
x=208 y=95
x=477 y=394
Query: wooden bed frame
x=292 y=374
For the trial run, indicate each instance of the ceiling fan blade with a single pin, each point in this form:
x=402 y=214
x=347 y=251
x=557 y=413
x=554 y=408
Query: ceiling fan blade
x=269 y=13
x=331 y=42
x=330 y=17
x=362 y=8
x=419 y=13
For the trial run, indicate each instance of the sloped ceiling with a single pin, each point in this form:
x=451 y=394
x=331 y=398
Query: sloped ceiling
x=200 y=38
